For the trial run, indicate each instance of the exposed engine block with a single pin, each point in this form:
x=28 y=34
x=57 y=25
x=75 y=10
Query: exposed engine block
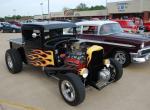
x=77 y=59
x=104 y=77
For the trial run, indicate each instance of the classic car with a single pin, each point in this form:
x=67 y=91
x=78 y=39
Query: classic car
x=123 y=47
x=129 y=26
x=147 y=26
x=74 y=63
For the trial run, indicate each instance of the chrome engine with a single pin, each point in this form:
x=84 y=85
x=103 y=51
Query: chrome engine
x=104 y=77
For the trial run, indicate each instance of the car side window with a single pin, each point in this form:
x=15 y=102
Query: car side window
x=78 y=29
x=105 y=29
x=90 y=30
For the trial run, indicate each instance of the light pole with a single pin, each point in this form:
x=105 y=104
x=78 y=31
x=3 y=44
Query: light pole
x=48 y=11
x=14 y=10
x=106 y=9
x=42 y=10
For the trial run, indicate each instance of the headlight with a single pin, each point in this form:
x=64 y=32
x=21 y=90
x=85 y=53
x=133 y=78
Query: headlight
x=142 y=45
x=84 y=72
x=107 y=62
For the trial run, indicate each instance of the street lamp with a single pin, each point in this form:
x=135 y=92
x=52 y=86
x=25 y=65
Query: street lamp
x=106 y=9
x=48 y=11
x=42 y=10
x=14 y=10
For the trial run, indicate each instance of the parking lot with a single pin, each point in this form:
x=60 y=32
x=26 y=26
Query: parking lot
x=33 y=89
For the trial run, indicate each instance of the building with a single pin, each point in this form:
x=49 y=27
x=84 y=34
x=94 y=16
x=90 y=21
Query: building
x=128 y=9
x=123 y=9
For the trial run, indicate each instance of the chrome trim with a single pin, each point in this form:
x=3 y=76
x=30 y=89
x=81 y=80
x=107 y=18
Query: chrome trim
x=109 y=43
x=145 y=48
x=136 y=58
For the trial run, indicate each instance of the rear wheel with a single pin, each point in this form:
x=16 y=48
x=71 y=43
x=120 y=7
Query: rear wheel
x=13 y=61
x=2 y=31
x=72 y=89
x=122 y=57
x=116 y=70
x=13 y=31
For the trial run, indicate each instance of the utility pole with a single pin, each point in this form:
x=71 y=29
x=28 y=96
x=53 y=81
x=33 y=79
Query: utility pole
x=48 y=11
x=42 y=10
x=106 y=9
x=14 y=10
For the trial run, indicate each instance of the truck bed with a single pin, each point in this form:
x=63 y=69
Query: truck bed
x=19 y=41
x=16 y=43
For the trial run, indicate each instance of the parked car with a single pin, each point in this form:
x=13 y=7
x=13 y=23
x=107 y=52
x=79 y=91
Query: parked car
x=1 y=27
x=7 y=27
x=123 y=47
x=63 y=56
x=147 y=26
x=15 y=23
x=129 y=26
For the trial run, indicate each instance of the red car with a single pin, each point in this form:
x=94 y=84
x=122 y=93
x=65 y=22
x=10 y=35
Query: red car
x=15 y=23
x=128 y=26
x=147 y=26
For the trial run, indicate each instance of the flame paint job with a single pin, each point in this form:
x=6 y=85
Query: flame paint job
x=41 y=58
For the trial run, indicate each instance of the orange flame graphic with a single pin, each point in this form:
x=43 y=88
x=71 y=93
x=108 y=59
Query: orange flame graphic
x=40 y=58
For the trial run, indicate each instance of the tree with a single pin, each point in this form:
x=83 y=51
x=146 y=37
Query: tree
x=101 y=7
x=66 y=8
x=82 y=7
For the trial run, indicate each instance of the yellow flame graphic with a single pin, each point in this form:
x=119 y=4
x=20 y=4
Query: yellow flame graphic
x=41 y=58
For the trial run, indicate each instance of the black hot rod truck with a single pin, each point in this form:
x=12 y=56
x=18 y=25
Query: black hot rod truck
x=75 y=63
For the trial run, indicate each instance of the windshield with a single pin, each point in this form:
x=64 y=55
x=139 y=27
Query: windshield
x=111 y=28
x=130 y=23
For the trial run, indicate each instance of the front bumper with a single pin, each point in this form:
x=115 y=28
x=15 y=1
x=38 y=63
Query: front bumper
x=136 y=58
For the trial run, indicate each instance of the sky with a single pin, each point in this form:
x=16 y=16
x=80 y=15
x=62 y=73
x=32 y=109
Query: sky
x=33 y=7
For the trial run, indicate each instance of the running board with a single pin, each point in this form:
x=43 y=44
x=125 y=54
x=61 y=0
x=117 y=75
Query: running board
x=96 y=86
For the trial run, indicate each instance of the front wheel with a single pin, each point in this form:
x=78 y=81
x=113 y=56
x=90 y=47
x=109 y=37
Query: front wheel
x=122 y=57
x=116 y=70
x=13 y=31
x=72 y=89
x=13 y=61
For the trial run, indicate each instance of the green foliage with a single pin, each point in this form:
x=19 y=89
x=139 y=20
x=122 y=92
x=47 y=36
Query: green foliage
x=2 y=20
x=17 y=17
x=84 y=7
x=101 y=7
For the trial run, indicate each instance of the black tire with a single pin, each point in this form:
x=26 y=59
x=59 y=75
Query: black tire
x=2 y=31
x=77 y=85
x=116 y=70
x=16 y=61
x=127 y=58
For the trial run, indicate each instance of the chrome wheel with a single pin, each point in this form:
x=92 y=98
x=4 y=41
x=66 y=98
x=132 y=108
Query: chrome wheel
x=120 y=57
x=14 y=31
x=68 y=91
x=9 y=62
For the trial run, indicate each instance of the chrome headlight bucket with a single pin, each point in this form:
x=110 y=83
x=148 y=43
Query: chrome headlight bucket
x=142 y=45
x=84 y=72
x=107 y=62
